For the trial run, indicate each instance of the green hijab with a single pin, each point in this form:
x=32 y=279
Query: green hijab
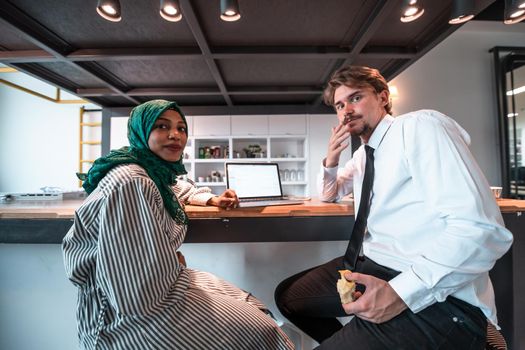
x=163 y=173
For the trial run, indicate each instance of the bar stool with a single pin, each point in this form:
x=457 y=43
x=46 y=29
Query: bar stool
x=495 y=340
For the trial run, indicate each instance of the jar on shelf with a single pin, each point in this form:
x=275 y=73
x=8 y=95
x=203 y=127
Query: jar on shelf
x=216 y=152
x=286 y=175
x=207 y=152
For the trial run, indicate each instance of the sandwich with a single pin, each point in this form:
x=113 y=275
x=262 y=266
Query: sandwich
x=345 y=288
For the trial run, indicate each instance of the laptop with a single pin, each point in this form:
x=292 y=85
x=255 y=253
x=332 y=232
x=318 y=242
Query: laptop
x=257 y=184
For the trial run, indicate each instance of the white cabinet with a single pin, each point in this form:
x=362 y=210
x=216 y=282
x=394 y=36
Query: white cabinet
x=287 y=124
x=189 y=121
x=217 y=125
x=249 y=125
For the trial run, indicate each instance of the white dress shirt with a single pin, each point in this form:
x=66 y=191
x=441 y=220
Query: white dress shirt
x=432 y=215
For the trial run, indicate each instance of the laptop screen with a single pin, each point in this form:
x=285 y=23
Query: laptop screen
x=254 y=180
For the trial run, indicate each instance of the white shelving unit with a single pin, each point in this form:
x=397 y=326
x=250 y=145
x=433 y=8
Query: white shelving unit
x=287 y=146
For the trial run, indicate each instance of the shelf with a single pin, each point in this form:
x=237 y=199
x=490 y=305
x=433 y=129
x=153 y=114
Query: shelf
x=250 y=160
x=290 y=159
x=292 y=183
x=210 y=184
x=211 y=160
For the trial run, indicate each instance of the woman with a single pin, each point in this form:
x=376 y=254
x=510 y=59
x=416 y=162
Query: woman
x=121 y=252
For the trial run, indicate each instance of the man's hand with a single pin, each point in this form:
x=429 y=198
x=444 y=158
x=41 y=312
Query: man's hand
x=337 y=143
x=228 y=199
x=379 y=303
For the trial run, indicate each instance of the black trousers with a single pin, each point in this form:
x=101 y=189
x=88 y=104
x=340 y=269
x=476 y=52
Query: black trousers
x=310 y=300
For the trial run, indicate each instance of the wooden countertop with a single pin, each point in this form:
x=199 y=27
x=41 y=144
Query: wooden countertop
x=65 y=209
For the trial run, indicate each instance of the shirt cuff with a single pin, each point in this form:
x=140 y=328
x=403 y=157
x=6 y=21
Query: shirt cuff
x=412 y=290
x=201 y=198
x=329 y=171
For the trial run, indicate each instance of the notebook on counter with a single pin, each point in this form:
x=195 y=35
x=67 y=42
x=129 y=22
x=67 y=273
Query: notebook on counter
x=257 y=184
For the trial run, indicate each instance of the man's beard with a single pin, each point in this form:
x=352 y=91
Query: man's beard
x=360 y=130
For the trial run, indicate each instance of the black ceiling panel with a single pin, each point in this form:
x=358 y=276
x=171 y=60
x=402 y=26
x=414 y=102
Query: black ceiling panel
x=165 y=72
x=189 y=100
x=274 y=99
x=278 y=72
x=276 y=58
x=72 y=73
x=10 y=39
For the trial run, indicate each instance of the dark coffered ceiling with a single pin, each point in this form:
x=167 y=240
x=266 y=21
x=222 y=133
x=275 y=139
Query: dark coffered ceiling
x=275 y=59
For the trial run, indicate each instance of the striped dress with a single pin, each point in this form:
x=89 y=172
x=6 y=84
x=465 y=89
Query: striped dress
x=132 y=291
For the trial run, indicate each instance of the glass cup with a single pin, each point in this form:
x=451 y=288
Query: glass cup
x=496 y=191
x=286 y=175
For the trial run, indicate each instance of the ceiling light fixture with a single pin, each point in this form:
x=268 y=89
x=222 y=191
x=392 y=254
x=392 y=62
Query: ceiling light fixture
x=170 y=10
x=514 y=11
x=230 y=10
x=411 y=11
x=109 y=9
x=462 y=11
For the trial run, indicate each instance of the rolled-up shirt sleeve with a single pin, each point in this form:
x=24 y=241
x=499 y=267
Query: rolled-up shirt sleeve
x=335 y=183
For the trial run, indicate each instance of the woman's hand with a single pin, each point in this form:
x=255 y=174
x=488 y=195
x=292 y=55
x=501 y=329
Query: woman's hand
x=181 y=258
x=228 y=199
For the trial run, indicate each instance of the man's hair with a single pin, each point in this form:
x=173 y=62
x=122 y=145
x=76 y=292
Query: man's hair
x=356 y=77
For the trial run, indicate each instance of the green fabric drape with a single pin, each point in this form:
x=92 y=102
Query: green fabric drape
x=163 y=173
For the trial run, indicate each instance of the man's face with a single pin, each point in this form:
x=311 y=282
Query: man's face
x=360 y=109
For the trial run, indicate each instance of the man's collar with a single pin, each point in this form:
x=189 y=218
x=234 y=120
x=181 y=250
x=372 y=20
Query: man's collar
x=380 y=131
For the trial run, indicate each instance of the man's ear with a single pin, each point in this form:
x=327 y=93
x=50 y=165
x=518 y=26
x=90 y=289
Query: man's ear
x=385 y=97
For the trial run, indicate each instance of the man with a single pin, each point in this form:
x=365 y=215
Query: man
x=430 y=230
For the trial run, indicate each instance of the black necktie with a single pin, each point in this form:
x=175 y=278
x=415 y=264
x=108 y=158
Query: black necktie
x=358 y=232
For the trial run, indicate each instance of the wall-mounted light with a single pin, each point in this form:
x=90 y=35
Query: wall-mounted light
x=109 y=9
x=170 y=10
x=514 y=11
x=394 y=92
x=230 y=10
x=462 y=11
x=411 y=11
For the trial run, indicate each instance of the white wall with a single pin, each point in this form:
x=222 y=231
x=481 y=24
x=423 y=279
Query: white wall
x=457 y=78
x=39 y=139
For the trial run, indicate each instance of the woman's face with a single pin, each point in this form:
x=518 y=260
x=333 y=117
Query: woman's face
x=168 y=136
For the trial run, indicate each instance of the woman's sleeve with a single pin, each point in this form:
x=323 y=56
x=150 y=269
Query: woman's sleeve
x=136 y=261
x=188 y=193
